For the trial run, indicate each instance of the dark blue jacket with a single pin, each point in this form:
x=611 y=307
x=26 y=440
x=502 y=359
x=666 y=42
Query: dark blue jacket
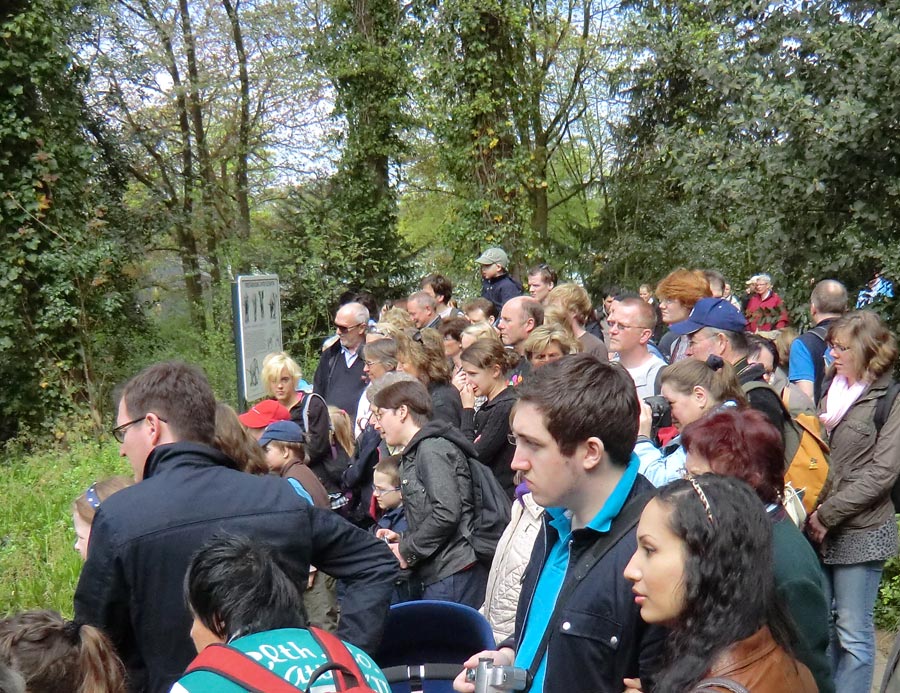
x=600 y=638
x=143 y=538
x=500 y=289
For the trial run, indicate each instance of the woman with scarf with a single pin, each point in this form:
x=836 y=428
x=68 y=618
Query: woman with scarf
x=854 y=523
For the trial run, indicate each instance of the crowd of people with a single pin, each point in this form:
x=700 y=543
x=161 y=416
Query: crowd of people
x=643 y=454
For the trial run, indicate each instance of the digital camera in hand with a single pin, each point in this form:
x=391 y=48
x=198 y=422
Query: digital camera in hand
x=489 y=678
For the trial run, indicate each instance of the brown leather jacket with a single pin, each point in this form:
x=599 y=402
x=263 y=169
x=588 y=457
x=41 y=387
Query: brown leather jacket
x=761 y=666
x=864 y=466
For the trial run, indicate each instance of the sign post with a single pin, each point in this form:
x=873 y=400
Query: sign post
x=256 y=310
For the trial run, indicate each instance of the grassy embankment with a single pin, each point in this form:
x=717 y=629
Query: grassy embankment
x=38 y=564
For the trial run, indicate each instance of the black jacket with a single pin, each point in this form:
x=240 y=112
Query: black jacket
x=601 y=638
x=500 y=289
x=143 y=538
x=488 y=429
x=437 y=494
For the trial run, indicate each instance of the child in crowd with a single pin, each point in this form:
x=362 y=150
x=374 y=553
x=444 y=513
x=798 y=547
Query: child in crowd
x=85 y=507
x=282 y=442
x=53 y=655
x=391 y=515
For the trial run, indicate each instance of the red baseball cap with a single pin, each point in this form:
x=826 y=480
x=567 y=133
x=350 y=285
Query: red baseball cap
x=262 y=414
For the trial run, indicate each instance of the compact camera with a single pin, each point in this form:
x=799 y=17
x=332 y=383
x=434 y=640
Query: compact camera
x=489 y=678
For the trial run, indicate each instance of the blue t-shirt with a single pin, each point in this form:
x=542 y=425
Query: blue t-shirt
x=554 y=571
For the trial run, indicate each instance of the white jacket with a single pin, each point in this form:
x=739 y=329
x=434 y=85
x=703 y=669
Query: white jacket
x=508 y=566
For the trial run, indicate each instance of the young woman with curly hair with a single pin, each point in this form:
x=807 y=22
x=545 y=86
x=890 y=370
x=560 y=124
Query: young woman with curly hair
x=703 y=568
x=744 y=444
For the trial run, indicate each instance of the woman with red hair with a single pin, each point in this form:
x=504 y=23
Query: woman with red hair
x=743 y=443
x=677 y=294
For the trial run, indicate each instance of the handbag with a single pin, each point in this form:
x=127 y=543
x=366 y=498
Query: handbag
x=793 y=504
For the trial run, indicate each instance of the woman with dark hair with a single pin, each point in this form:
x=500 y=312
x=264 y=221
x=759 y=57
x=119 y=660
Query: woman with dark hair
x=487 y=364
x=744 y=444
x=854 y=523
x=703 y=568
x=53 y=655
x=422 y=356
x=436 y=485
x=692 y=389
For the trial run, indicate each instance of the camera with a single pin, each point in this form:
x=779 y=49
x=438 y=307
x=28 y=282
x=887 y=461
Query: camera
x=489 y=678
x=661 y=415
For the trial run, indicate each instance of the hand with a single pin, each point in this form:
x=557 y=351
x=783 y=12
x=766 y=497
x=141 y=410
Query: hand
x=312 y=577
x=504 y=657
x=395 y=549
x=387 y=534
x=467 y=397
x=459 y=381
x=645 y=422
x=632 y=685
x=815 y=529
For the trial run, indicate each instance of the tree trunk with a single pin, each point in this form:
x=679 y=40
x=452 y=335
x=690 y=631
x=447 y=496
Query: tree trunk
x=242 y=185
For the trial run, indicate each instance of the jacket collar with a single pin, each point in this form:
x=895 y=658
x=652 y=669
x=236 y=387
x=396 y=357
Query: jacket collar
x=185 y=453
x=743 y=653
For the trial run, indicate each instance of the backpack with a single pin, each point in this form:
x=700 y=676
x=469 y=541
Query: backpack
x=241 y=669
x=882 y=411
x=805 y=450
x=491 y=512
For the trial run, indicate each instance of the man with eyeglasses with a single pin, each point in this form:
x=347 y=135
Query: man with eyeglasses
x=631 y=326
x=131 y=585
x=339 y=379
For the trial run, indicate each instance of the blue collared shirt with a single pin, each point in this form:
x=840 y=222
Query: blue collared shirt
x=554 y=572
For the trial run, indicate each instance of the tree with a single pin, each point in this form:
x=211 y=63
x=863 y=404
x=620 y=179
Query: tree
x=64 y=247
x=761 y=136
x=362 y=54
x=510 y=96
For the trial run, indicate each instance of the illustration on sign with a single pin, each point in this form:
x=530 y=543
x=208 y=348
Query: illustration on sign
x=258 y=303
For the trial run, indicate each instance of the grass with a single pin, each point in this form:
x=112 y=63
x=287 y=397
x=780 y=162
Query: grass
x=38 y=565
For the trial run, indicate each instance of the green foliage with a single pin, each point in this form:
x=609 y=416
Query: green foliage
x=759 y=136
x=363 y=56
x=64 y=288
x=38 y=566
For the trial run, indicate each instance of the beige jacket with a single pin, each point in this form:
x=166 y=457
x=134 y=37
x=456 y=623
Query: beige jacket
x=508 y=566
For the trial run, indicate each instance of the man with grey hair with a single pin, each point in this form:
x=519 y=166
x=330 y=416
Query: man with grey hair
x=809 y=355
x=339 y=379
x=765 y=310
x=422 y=308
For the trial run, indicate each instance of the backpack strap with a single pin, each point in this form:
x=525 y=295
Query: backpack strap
x=339 y=660
x=885 y=403
x=239 y=668
x=624 y=523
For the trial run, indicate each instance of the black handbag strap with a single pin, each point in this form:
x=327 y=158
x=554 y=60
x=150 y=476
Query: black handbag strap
x=623 y=523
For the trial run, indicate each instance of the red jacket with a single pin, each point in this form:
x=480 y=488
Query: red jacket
x=766 y=313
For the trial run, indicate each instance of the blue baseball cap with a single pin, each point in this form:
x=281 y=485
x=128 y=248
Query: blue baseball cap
x=282 y=431
x=712 y=312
